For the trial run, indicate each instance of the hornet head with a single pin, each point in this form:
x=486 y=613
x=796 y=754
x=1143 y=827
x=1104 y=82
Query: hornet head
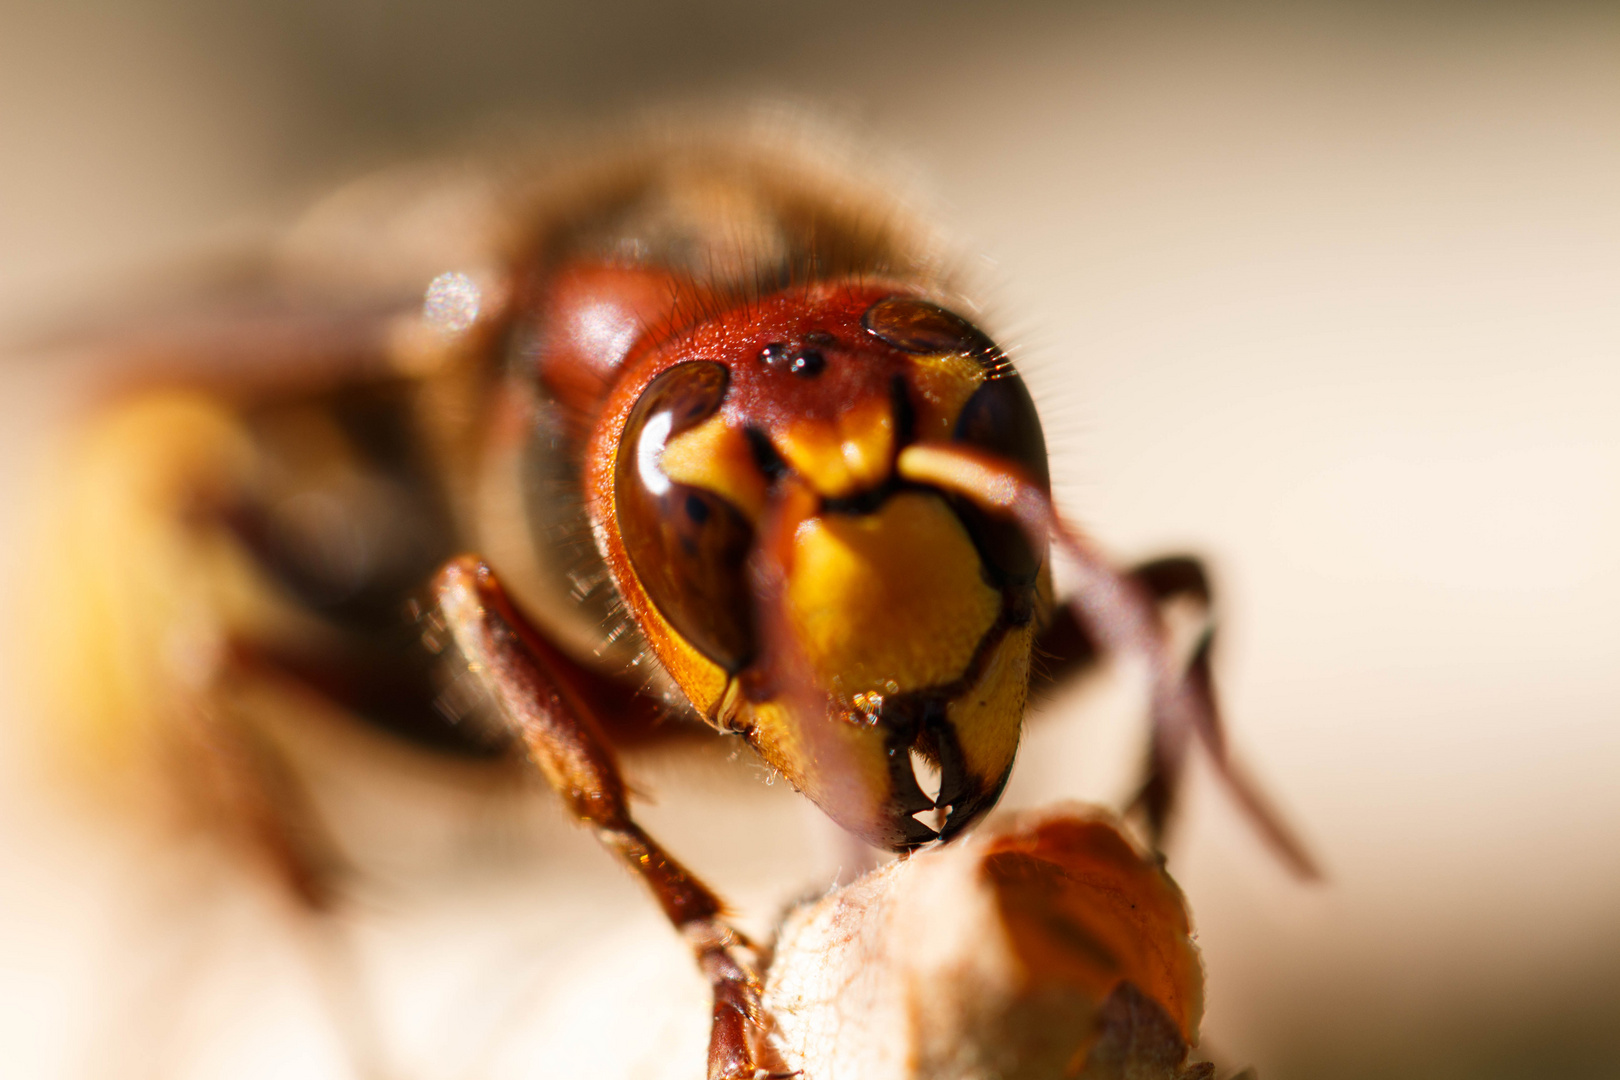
x=744 y=490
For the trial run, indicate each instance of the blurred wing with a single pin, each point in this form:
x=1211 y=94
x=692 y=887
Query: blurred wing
x=337 y=297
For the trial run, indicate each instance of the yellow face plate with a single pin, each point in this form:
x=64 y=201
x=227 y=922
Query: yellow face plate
x=988 y=716
x=889 y=601
x=839 y=457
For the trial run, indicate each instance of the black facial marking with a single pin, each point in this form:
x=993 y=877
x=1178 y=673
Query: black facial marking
x=765 y=456
x=905 y=414
x=862 y=502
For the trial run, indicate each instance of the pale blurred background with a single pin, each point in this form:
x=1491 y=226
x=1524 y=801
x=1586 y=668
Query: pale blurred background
x=1328 y=293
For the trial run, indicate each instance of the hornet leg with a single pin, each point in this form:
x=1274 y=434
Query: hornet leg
x=1070 y=652
x=537 y=690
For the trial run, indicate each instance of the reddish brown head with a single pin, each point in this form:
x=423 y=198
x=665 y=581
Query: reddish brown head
x=742 y=485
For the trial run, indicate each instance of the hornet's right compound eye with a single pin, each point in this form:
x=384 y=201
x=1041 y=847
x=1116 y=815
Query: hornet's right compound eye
x=688 y=546
x=999 y=417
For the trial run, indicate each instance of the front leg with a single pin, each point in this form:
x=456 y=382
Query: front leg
x=539 y=691
x=1068 y=650
x=1071 y=650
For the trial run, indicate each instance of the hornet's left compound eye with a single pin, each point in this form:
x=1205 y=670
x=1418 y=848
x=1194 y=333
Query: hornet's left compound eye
x=688 y=546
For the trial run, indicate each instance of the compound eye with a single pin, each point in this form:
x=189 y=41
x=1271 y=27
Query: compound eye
x=688 y=546
x=1000 y=417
